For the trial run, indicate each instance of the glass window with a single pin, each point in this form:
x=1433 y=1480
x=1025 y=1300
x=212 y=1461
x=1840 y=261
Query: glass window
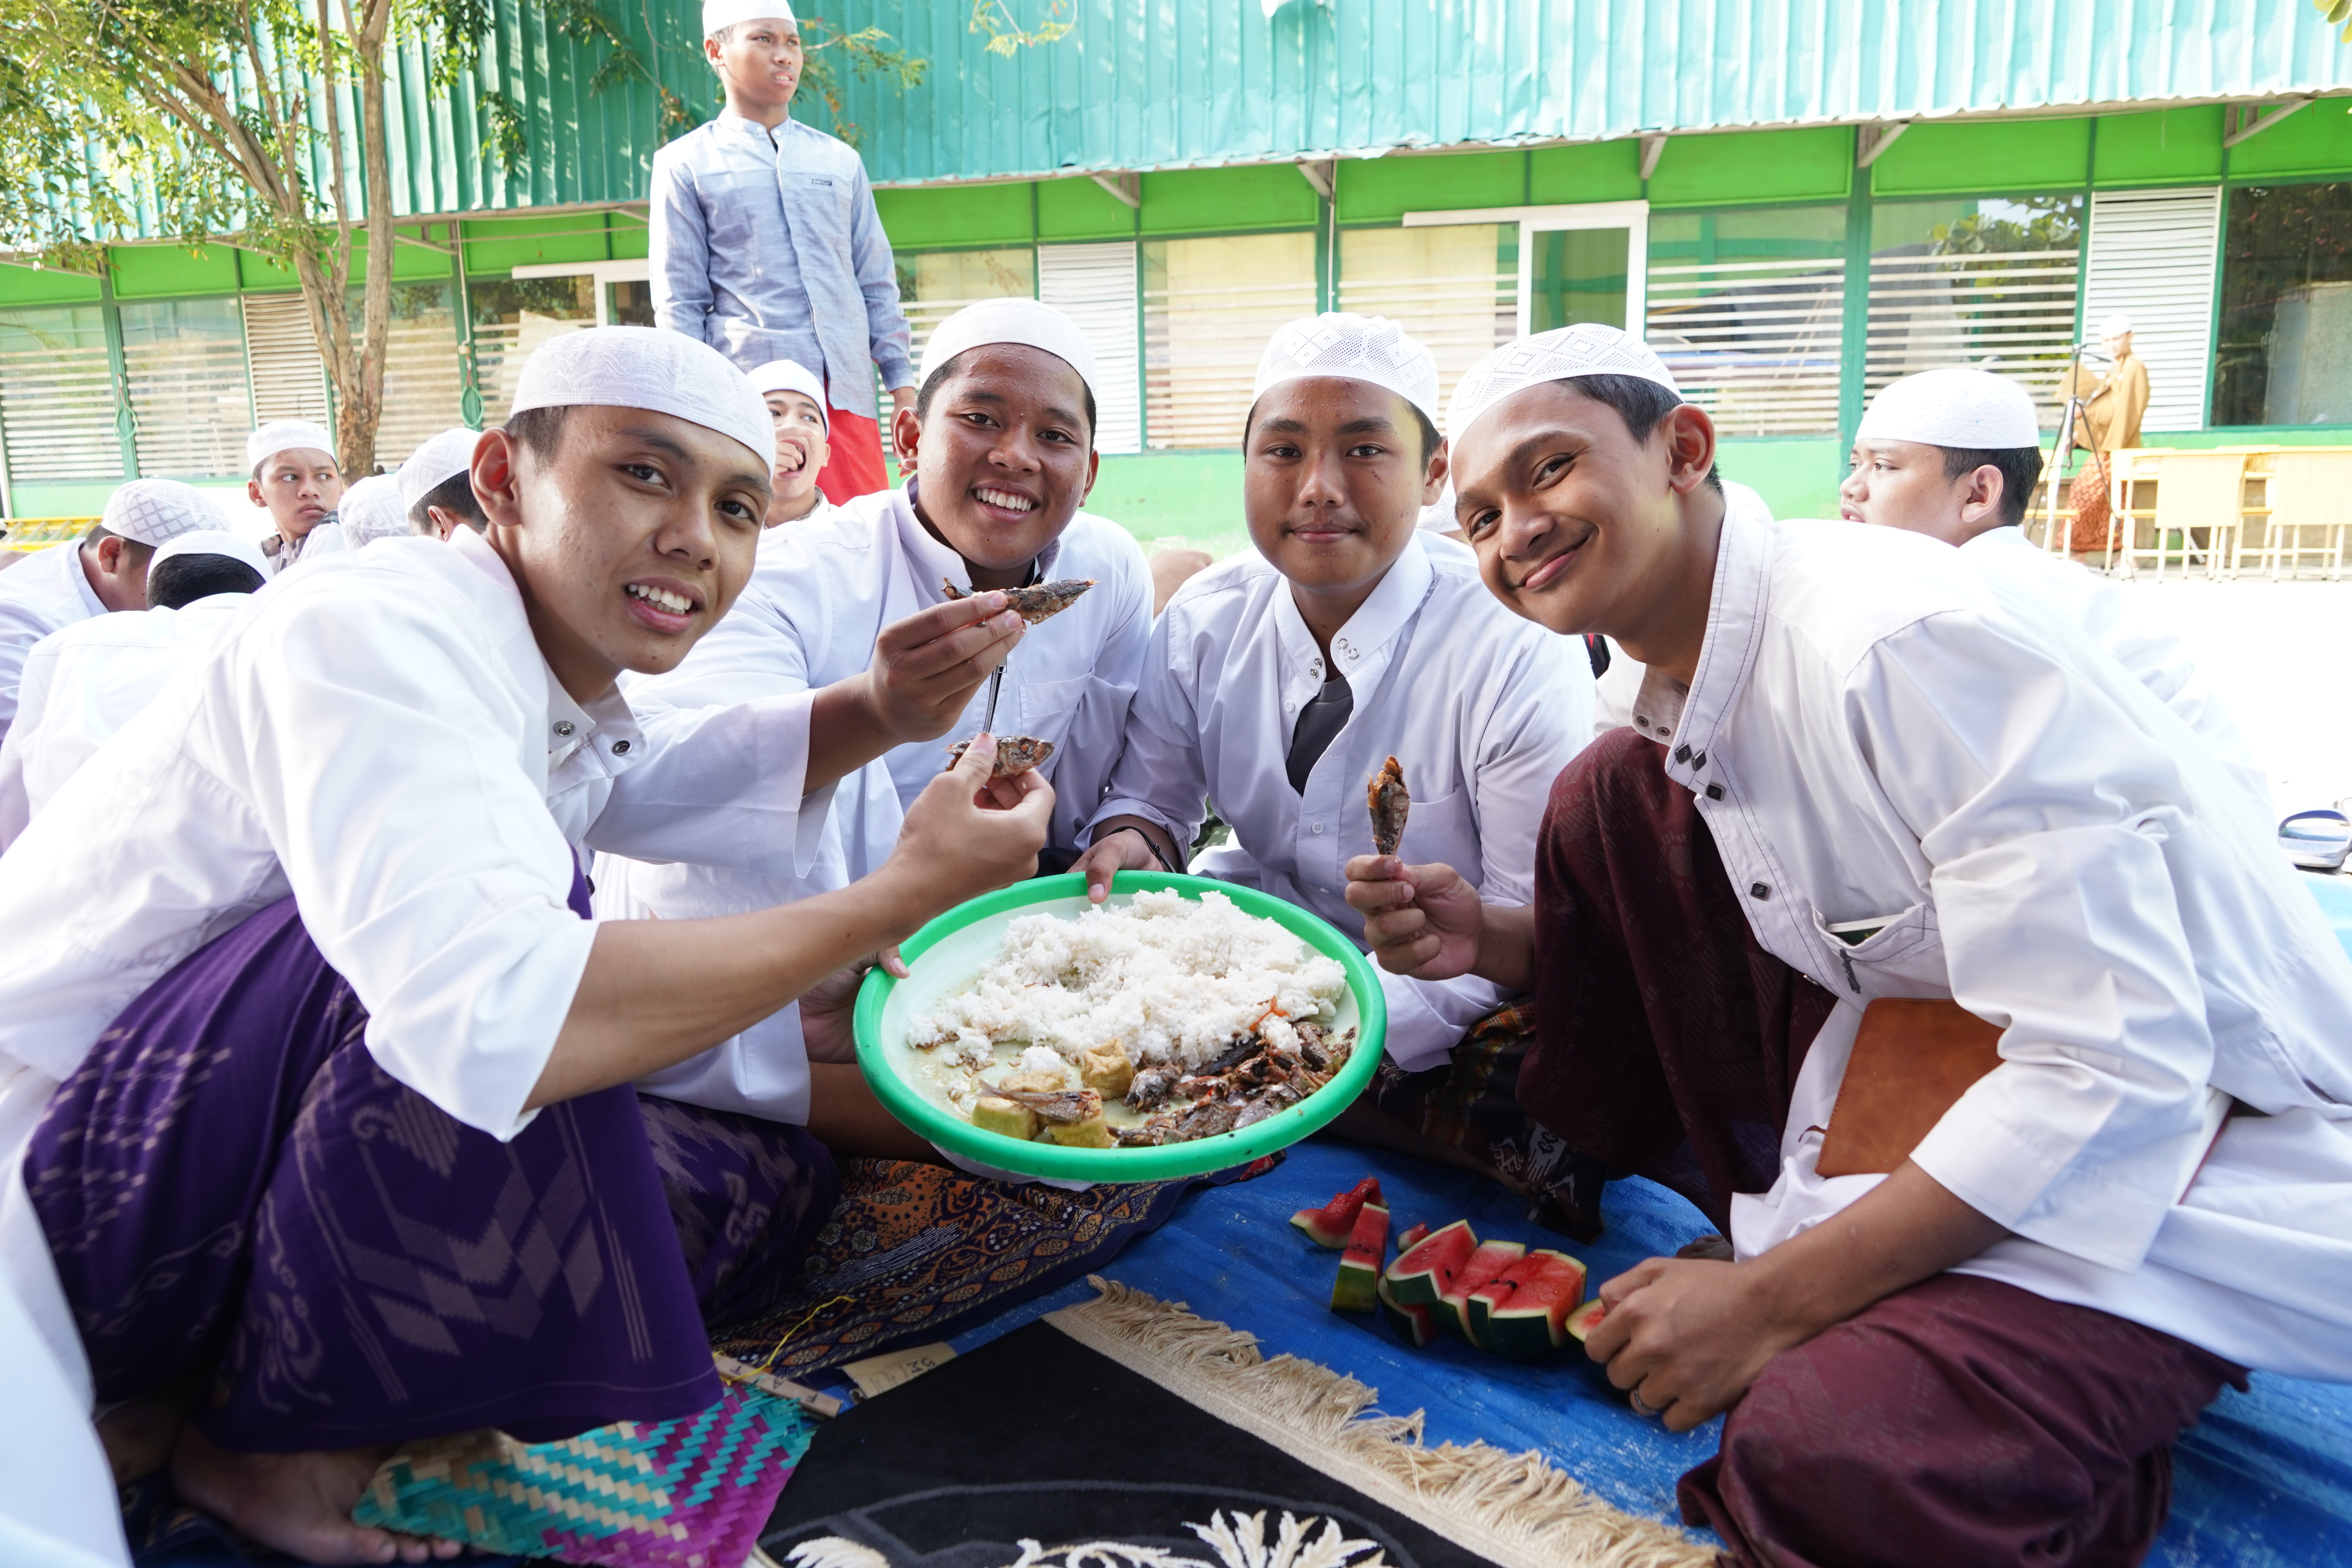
x=423 y=380
x=1209 y=307
x=1748 y=309
x=2285 y=350
x=1452 y=287
x=1577 y=275
x=513 y=316
x=630 y=304
x=184 y=363
x=56 y=395
x=935 y=284
x=1979 y=281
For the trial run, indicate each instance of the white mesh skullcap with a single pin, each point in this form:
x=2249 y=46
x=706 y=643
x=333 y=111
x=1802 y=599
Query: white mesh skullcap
x=153 y=510
x=791 y=375
x=648 y=368
x=1973 y=409
x=211 y=541
x=1586 y=348
x=1022 y=322
x=2116 y=326
x=372 y=510
x=285 y=436
x=722 y=14
x=1361 y=348
x=434 y=464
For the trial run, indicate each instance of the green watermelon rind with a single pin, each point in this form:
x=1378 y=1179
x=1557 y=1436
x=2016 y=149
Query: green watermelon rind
x=1413 y=1279
x=1414 y=1325
x=1330 y=1226
x=1533 y=1322
x=1585 y=1319
x=1453 y=1306
x=1358 y=1278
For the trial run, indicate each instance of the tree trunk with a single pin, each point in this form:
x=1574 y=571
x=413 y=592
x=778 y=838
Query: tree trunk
x=357 y=436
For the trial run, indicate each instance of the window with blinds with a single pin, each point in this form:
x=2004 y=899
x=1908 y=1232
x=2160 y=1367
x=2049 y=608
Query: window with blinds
x=56 y=395
x=1977 y=281
x=2152 y=259
x=1747 y=309
x=423 y=382
x=1209 y=307
x=1453 y=287
x=936 y=285
x=289 y=380
x=184 y=363
x=1094 y=285
x=513 y=316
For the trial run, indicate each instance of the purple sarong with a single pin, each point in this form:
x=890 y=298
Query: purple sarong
x=232 y=1188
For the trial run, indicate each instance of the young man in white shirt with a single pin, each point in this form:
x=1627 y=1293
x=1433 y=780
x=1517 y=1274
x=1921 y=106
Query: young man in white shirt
x=795 y=398
x=316 y=1074
x=1953 y=454
x=1000 y=448
x=1863 y=777
x=436 y=486
x=1279 y=682
x=295 y=480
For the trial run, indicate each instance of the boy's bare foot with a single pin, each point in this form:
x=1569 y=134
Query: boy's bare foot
x=138 y=1434
x=298 y=1503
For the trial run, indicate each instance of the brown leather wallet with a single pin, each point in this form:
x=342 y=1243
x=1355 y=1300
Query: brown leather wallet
x=1911 y=1061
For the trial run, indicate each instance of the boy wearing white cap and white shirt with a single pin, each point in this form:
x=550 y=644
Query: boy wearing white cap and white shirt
x=1279 y=682
x=293 y=478
x=1000 y=454
x=1926 y=950
x=436 y=488
x=1955 y=454
x=795 y=398
x=370 y=510
x=83 y=684
x=766 y=245
x=103 y=570
x=370 y=1025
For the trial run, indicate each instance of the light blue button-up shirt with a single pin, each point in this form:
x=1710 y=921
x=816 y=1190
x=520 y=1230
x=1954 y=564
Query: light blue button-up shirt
x=766 y=245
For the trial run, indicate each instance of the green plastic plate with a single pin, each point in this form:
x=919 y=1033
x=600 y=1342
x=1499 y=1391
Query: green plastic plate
x=949 y=952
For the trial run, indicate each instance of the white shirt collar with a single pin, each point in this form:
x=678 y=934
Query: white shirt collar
x=934 y=562
x=1355 y=647
x=1734 y=624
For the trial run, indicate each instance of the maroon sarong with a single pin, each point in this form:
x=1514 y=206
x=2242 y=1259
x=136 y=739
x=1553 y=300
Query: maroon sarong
x=1957 y=1422
x=233 y=1189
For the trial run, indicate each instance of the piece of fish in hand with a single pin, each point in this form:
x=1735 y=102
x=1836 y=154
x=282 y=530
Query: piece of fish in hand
x=1390 y=803
x=1014 y=755
x=1036 y=603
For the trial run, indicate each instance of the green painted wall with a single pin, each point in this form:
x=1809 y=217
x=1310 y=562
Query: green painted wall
x=1985 y=156
x=47 y=286
x=1598 y=172
x=1196 y=201
x=2315 y=141
x=2163 y=147
x=1079 y=209
x=1382 y=190
x=958 y=217
x=1763 y=166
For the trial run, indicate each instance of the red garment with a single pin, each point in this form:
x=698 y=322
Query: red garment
x=1960 y=1421
x=854 y=467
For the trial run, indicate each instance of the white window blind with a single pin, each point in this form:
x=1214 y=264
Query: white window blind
x=1209 y=307
x=289 y=380
x=1756 y=343
x=2152 y=257
x=422 y=384
x=184 y=362
x=2014 y=307
x=1094 y=285
x=56 y=395
x=1446 y=285
x=934 y=286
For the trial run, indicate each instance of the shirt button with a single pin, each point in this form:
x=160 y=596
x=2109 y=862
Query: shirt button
x=1715 y=792
x=564 y=727
x=1287 y=705
x=1318 y=827
x=620 y=748
x=1758 y=890
x=1682 y=753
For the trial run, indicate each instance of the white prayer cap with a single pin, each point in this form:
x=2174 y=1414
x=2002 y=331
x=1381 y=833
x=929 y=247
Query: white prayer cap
x=649 y=368
x=791 y=375
x=1586 y=348
x=1361 y=348
x=718 y=14
x=438 y=461
x=153 y=510
x=2116 y=326
x=1973 y=410
x=211 y=541
x=1022 y=322
x=285 y=436
x=372 y=510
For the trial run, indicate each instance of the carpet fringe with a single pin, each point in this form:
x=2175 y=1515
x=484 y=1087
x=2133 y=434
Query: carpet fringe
x=1519 y=1511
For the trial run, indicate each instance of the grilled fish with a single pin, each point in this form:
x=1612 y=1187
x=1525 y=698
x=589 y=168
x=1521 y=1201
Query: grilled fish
x=1037 y=604
x=1390 y=803
x=1014 y=755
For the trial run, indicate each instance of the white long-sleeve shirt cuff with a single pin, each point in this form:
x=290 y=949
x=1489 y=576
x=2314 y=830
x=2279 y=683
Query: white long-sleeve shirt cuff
x=1427 y=1018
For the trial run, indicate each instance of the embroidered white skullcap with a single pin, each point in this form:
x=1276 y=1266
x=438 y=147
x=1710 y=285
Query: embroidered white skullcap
x=1023 y=321
x=285 y=436
x=151 y=511
x=719 y=14
x=791 y=375
x=2116 y=326
x=1972 y=409
x=438 y=461
x=211 y=541
x=649 y=368
x=1586 y=348
x=1361 y=348
x=372 y=510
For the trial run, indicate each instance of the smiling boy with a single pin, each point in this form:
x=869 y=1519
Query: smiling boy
x=295 y=481
x=766 y=245
x=1278 y=682
x=1877 y=806
x=300 y=971
x=795 y=398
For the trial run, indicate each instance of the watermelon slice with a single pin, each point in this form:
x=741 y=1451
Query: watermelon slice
x=1359 y=1266
x=1417 y=1278
x=1335 y=1222
x=1416 y=1326
x=1480 y=1304
x=1454 y=1302
x=1585 y=1319
x=1412 y=1238
x=1533 y=1320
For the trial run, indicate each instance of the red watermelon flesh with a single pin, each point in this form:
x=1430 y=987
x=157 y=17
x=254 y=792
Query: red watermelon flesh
x=1412 y=1239
x=1585 y=1319
x=1454 y=1302
x=1416 y=1326
x=1359 y=1266
x=1335 y=1222
x=1533 y=1320
x=1480 y=1304
x=1420 y=1277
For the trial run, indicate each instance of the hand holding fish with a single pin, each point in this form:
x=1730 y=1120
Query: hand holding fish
x=927 y=666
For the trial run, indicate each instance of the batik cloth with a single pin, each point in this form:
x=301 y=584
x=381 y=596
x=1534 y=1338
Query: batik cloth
x=233 y=1189
x=1957 y=1422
